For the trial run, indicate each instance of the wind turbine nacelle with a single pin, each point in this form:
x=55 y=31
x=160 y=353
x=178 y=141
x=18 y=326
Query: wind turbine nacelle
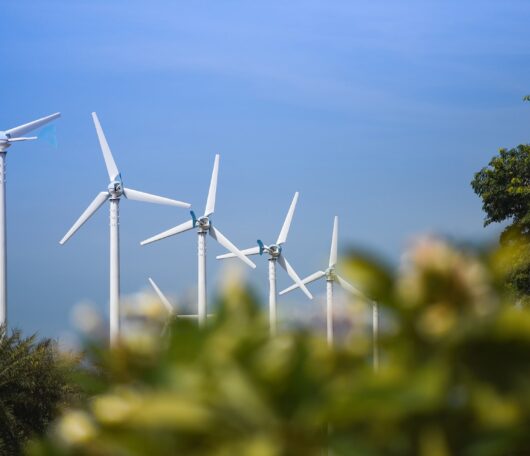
x=115 y=189
x=4 y=141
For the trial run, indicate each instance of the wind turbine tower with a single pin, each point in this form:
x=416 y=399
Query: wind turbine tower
x=7 y=138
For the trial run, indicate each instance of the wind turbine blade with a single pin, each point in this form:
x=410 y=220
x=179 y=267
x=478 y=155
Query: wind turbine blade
x=23 y=138
x=23 y=129
x=311 y=278
x=219 y=237
x=292 y=273
x=171 y=232
x=251 y=251
x=210 y=202
x=350 y=288
x=287 y=223
x=162 y=297
x=149 y=198
x=334 y=245
x=89 y=211
x=112 y=169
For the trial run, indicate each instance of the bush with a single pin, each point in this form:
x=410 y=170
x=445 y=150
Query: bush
x=454 y=377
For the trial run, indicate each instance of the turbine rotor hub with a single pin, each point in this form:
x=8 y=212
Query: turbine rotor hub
x=331 y=274
x=115 y=189
x=203 y=223
x=275 y=250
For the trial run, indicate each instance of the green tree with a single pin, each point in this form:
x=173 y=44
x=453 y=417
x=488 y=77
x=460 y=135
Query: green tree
x=34 y=383
x=504 y=186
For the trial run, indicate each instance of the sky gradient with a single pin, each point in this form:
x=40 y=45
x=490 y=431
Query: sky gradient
x=378 y=112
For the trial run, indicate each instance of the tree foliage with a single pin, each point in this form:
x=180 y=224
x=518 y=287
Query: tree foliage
x=454 y=377
x=33 y=385
x=504 y=186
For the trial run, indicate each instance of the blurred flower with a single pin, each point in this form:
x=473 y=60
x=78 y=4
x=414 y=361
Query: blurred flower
x=145 y=306
x=114 y=408
x=142 y=340
x=437 y=320
x=76 y=427
x=86 y=318
x=435 y=274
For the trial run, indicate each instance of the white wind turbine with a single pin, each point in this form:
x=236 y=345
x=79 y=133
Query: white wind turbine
x=114 y=192
x=331 y=276
x=7 y=138
x=204 y=225
x=275 y=252
x=172 y=312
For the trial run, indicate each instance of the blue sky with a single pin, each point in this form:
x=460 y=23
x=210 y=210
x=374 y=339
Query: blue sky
x=379 y=112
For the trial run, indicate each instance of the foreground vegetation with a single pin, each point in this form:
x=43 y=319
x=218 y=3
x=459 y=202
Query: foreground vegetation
x=35 y=383
x=454 y=376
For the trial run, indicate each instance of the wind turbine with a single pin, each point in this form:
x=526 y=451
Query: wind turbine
x=204 y=225
x=331 y=276
x=169 y=306
x=114 y=192
x=276 y=255
x=7 y=138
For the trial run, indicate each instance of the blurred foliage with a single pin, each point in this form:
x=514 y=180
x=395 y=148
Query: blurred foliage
x=504 y=186
x=454 y=376
x=35 y=381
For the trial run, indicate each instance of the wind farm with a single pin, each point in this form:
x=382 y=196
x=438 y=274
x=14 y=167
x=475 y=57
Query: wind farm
x=203 y=224
x=334 y=254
